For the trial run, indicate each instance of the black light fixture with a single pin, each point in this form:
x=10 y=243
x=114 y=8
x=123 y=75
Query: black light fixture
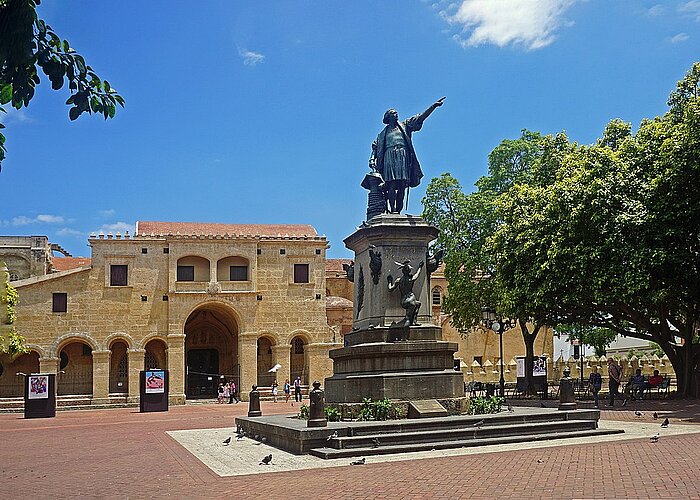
x=490 y=319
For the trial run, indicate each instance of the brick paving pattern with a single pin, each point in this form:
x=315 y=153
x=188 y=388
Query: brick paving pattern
x=121 y=453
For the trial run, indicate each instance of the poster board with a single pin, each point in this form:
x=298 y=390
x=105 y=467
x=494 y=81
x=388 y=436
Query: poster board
x=153 y=389
x=40 y=395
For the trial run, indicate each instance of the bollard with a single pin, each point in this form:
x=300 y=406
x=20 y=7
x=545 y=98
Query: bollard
x=567 y=401
x=317 y=417
x=254 y=404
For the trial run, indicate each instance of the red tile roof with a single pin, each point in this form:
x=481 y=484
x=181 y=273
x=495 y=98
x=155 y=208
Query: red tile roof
x=336 y=265
x=216 y=229
x=66 y=263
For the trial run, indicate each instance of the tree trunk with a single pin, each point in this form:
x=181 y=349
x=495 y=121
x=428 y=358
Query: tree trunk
x=529 y=340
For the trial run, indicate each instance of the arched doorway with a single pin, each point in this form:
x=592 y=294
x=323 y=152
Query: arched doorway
x=11 y=384
x=118 y=368
x=155 y=356
x=211 y=350
x=298 y=365
x=75 y=375
x=265 y=378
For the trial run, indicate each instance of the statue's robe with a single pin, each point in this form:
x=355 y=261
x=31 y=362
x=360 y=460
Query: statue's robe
x=413 y=172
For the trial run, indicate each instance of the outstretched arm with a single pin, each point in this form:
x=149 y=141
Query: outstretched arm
x=420 y=266
x=425 y=114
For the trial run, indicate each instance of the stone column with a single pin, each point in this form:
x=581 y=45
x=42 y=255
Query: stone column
x=248 y=360
x=49 y=365
x=176 y=367
x=135 y=358
x=100 y=376
x=280 y=354
x=320 y=364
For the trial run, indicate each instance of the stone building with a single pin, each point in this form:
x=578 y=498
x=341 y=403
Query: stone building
x=205 y=301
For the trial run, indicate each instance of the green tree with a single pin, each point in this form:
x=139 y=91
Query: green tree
x=11 y=343
x=614 y=242
x=27 y=43
x=467 y=224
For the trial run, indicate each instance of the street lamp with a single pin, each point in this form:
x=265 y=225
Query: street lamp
x=498 y=325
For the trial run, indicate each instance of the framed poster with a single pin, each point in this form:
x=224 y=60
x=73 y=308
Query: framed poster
x=539 y=367
x=38 y=387
x=155 y=381
x=520 y=367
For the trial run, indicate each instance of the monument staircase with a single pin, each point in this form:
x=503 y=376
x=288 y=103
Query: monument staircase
x=522 y=425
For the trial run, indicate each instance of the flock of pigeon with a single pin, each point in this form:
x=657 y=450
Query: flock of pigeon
x=664 y=425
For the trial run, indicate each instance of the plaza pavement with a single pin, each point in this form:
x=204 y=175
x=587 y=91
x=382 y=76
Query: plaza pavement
x=120 y=453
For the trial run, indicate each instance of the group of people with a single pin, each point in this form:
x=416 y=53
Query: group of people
x=634 y=388
x=227 y=393
x=287 y=390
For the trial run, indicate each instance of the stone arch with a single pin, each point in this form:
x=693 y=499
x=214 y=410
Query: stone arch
x=264 y=357
x=299 y=355
x=304 y=334
x=200 y=268
x=11 y=384
x=37 y=349
x=118 y=365
x=66 y=339
x=125 y=337
x=211 y=332
x=436 y=296
x=155 y=353
x=152 y=336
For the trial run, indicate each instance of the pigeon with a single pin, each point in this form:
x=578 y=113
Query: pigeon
x=656 y=415
x=332 y=436
x=257 y=437
x=654 y=438
x=227 y=441
x=665 y=423
x=510 y=409
x=239 y=437
x=375 y=443
x=275 y=368
x=358 y=462
x=479 y=423
x=638 y=413
x=540 y=461
x=267 y=460
x=264 y=440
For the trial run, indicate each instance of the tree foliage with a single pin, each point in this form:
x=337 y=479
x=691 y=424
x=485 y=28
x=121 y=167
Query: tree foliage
x=28 y=44
x=11 y=343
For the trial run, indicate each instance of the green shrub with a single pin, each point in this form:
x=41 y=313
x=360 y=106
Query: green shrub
x=332 y=413
x=482 y=406
x=303 y=412
x=377 y=410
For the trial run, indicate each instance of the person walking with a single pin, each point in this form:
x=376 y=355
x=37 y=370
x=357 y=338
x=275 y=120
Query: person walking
x=234 y=395
x=287 y=390
x=596 y=383
x=227 y=393
x=275 y=390
x=615 y=376
x=297 y=389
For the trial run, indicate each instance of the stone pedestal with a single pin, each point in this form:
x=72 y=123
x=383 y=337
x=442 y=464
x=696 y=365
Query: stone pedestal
x=567 y=399
x=382 y=358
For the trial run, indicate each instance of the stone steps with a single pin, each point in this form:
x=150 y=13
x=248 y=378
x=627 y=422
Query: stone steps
x=331 y=453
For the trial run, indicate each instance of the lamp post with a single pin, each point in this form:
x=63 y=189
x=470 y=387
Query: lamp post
x=498 y=325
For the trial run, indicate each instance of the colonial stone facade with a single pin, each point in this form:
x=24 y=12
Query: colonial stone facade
x=205 y=301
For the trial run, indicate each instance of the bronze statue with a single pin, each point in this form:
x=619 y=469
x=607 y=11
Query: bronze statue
x=394 y=158
x=405 y=285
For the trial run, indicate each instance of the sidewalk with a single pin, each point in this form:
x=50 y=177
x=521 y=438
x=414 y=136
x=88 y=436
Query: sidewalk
x=125 y=454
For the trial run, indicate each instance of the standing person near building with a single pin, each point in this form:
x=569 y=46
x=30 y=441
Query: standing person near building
x=227 y=393
x=275 y=390
x=221 y=393
x=297 y=389
x=287 y=390
x=615 y=375
x=596 y=383
x=232 y=390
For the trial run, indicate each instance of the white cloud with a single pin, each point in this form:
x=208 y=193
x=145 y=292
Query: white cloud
x=107 y=213
x=66 y=231
x=655 y=10
x=680 y=37
x=23 y=220
x=691 y=8
x=13 y=115
x=528 y=23
x=251 y=58
x=121 y=227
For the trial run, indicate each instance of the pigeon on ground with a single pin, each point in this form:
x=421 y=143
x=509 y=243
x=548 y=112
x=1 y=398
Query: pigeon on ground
x=358 y=462
x=257 y=437
x=665 y=423
x=638 y=413
x=510 y=409
x=264 y=440
x=540 y=461
x=332 y=436
x=654 y=438
x=239 y=437
x=479 y=423
x=227 y=441
x=656 y=415
x=267 y=460
x=375 y=443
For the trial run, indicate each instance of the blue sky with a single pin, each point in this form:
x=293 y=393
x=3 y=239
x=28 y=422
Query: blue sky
x=264 y=112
